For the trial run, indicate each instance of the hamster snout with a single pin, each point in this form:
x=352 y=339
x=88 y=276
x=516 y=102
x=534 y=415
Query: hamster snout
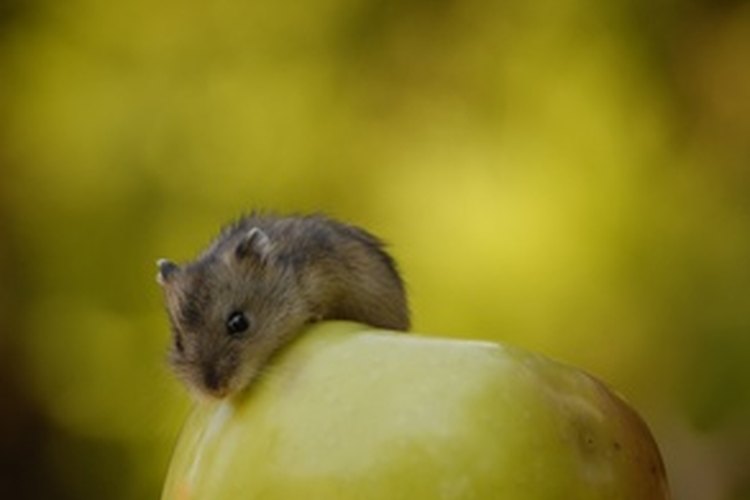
x=213 y=382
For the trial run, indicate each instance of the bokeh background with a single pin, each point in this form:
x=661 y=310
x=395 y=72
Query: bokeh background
x=571 y=176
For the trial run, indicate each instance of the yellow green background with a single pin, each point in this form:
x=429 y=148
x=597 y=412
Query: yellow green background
x=569 y=176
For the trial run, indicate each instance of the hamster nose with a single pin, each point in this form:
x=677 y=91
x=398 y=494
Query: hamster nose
x=211 y=379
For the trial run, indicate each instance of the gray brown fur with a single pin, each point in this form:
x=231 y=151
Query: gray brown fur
x=283 y=273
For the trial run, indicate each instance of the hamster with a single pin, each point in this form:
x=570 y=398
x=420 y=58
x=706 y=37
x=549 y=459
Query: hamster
x=260 y=282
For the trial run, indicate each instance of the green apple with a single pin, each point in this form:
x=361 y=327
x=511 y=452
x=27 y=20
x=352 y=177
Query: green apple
x=347 y=412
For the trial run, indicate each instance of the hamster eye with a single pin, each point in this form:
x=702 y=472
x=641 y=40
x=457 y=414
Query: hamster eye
x=237 y=324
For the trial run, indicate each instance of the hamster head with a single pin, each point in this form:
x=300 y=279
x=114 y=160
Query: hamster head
x=230 y=310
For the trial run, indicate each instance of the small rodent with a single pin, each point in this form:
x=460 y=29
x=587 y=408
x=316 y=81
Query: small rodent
x=260 y=281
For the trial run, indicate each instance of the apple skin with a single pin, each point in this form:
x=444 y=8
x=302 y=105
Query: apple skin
x=347 y=412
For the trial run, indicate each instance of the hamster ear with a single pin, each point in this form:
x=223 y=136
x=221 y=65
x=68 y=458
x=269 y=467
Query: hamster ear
x=167 y=270
x=255 y=243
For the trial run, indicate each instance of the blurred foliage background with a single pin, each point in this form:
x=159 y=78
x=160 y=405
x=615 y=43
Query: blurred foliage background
x=570 y=176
